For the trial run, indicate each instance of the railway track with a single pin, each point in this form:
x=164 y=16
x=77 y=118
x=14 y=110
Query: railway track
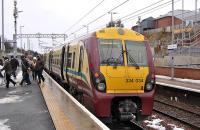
x=124 y=126
x=185 y=116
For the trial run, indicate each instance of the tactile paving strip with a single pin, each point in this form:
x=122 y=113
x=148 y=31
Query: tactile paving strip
x=60 y=120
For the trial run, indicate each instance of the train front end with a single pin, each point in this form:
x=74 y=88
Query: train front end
x=125 y=81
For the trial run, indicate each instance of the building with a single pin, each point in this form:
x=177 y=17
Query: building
x=146 y=24
x=153 y=25
x=166 y=21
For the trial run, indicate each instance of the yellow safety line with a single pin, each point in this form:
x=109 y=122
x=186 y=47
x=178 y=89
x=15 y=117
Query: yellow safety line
x=60 y=120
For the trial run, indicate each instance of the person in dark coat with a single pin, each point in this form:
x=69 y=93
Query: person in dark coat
x=33 y=65
x=25 y=70
x=14 y=64
x=1 y=62
x=1 y=66
x=39 y=69
x=8 y=71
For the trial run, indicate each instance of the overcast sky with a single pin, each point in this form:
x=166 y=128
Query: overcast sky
x=57 y=16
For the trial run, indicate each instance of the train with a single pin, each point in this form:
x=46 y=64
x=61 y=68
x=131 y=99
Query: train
x=110 y=71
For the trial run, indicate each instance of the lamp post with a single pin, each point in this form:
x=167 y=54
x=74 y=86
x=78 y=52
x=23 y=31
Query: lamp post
x=15 y=14
x=2 y=43
x=182 y=20
x=21 y=38
x=87 y=27
x=172 y=58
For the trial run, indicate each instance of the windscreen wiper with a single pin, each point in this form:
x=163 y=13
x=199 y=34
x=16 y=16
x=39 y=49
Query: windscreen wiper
x=110 y=60
x=131 y=59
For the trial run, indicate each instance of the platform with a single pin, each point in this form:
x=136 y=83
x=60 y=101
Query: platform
x=67 y=113
x=44 y=107
x=184 y=84
x=23 y=108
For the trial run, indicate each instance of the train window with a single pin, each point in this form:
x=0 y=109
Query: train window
x=137 y=53
x=110 y=52
x=69 y=60
x=73 y=62
x=81 y=59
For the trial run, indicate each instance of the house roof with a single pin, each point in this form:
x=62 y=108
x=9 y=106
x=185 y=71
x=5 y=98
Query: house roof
x=187 y=15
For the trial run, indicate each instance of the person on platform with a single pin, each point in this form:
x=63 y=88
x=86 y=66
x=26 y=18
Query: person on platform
x=25 y=71
x=8 y=71
x=14 y=64
x=39 y=69
x=33 y=65
x=1 y=66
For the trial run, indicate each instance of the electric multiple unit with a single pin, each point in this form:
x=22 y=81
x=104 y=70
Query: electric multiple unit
x=110 y=72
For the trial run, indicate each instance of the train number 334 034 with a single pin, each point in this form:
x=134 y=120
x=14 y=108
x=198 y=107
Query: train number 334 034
x=134 y=80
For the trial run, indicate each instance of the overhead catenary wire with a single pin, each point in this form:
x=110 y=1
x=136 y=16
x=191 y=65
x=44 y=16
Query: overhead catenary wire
x=142 y=13
x=90 y=11
x=146 y=11
x=100 y=16
x=107 y=12
x=123 y=16
x=142 y=8
x=126 y=15
x=161 y=6
x=150 y=10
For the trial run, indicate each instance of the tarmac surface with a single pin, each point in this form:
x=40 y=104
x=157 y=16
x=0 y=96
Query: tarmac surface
x=23 y=108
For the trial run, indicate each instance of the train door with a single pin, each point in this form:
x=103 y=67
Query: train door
x=75 y=72
x=80 y=64
x=67 y=63
x=50 y=60
x=81 y=74
x=62 y=63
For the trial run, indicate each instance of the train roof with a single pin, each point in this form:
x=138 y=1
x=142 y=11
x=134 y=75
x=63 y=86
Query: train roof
x=119 y=33
x=110 y=33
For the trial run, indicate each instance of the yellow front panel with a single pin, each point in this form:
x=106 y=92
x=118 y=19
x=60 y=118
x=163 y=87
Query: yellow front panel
x=136 y=77
x=126 y=80
x=113 y=80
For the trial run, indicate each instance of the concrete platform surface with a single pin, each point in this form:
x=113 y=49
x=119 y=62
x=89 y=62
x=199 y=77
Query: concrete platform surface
x=23 y=108
x=194 y=87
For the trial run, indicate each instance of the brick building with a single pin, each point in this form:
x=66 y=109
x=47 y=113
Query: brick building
x=166 y=21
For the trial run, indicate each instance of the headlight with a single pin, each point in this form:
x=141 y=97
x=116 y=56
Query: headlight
x=149 y=86
x=101 y=87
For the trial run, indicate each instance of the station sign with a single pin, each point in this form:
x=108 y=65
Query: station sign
x=9 y=41
x=172 y=47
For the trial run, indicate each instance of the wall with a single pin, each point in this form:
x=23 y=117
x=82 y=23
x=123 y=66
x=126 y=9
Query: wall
x=166 y=21
x=185 y=73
